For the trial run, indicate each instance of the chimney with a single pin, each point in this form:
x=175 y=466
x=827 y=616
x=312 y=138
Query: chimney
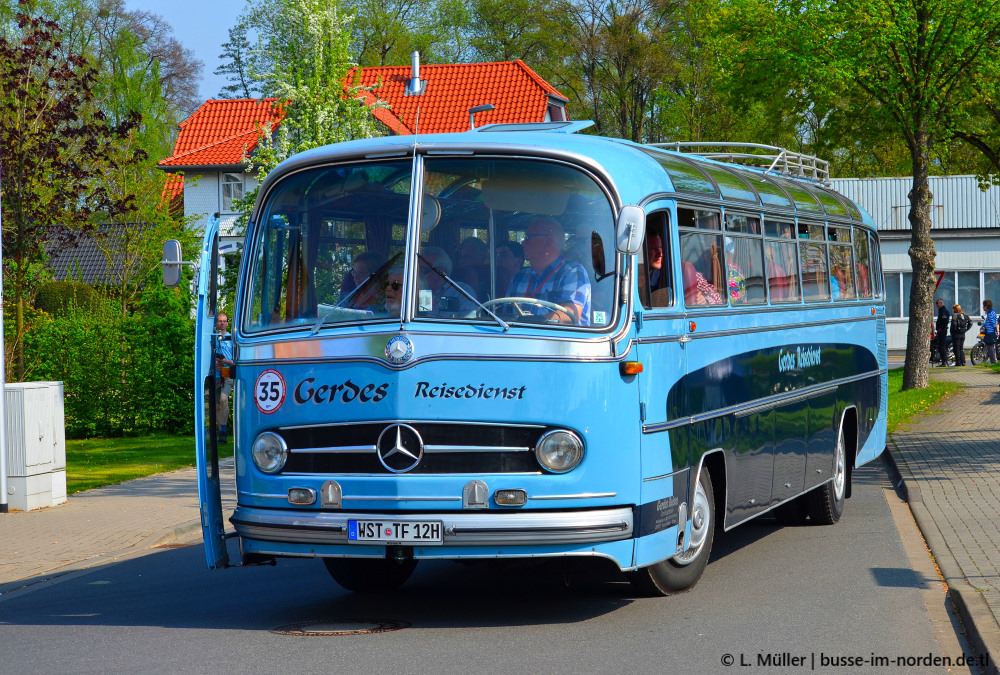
x=415 y=86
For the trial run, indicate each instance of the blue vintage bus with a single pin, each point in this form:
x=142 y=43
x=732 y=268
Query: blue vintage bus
x=525 y=342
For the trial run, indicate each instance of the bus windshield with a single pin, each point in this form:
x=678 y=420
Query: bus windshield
x=529 y=241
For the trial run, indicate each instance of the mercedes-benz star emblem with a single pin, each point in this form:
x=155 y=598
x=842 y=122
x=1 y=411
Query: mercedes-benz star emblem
x=400 y=448
x=399 y=350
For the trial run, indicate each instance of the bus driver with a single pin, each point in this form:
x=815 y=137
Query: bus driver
x=552 y=277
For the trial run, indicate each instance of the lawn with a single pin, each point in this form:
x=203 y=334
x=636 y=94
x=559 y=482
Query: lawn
x=904 y=405
x=105 y=461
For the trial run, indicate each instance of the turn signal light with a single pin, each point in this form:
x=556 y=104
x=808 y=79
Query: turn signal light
x=630 y=367
x=510 y=497
x=692 y=326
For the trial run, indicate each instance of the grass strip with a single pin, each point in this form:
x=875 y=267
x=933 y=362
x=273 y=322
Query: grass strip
x=96 y=462
x=905 y=405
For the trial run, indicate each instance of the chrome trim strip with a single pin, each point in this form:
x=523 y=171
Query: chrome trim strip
x=737 y=331
x=666 y=475
x=440 y=449
x=354 y=423
x=582 y=495
x=333 y=450
x=493 y=528
x=262 y=495
x=384 y=475
x=396 y=498
x=758 y=405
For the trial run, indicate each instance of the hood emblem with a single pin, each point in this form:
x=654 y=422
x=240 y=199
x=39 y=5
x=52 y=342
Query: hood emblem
x=400 y=448
x=399 y=350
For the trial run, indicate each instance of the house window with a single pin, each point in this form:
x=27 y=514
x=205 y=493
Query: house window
x=232 y=190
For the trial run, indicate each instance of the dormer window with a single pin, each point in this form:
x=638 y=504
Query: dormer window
x=232 y=190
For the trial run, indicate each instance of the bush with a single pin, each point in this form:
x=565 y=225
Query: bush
x=122 y=375
x=59 y=297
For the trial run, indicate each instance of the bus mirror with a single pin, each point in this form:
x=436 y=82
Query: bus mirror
x=171 y=263
x=631 y=229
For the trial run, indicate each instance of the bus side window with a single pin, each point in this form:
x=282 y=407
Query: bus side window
x=655 y=287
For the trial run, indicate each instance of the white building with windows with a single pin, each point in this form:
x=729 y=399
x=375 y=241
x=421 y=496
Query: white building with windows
x=966 y=232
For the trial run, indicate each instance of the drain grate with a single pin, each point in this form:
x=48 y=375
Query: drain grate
x=328 y=627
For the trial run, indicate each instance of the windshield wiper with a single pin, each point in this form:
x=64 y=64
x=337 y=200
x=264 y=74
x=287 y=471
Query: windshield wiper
x=458 y=287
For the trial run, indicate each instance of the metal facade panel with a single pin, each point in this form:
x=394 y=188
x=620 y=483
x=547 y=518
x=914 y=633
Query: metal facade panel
x=957 y=203
x=14 y=412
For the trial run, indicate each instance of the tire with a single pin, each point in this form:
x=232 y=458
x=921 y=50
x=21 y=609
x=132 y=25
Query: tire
x=362 y=575
x=827 y=503
x=977 y=354
x=682 y=571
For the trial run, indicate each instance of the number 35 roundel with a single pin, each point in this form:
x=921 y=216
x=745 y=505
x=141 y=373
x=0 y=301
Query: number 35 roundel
x=269 y=391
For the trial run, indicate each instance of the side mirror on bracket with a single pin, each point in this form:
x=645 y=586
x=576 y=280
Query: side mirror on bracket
x=630 y=229
x=172 y=263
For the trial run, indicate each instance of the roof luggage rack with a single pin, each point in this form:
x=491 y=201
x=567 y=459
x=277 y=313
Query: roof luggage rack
x=772 y=159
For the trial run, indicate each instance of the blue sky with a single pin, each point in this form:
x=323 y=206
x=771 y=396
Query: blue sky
x=201 y=26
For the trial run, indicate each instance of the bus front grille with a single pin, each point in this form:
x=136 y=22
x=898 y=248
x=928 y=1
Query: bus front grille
x=444 y=448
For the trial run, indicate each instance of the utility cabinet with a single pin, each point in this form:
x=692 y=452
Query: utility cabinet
x=36 y=445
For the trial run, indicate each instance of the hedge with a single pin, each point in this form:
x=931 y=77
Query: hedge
x=123 y=375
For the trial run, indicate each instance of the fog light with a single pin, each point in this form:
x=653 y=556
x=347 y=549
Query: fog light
x=302 y=496
x=510 y=497
x=269 y=452
x=559 y=451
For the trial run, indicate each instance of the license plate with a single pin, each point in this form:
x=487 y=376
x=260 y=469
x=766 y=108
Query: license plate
x=394 y=531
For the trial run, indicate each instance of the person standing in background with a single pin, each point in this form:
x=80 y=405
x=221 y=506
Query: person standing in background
x=223 y=374
x=990 y=330
x=941 y=328
x=960 y=324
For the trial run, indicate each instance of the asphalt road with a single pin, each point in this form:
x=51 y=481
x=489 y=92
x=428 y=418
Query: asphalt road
x=793 y=592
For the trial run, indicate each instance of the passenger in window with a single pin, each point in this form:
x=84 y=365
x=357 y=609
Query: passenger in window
x=737 y=280
x=551 y=276
x=510 y=260
x=446 y=300
x=364 y=265
x=697 y=289
x=473 y=266
x=654 y=251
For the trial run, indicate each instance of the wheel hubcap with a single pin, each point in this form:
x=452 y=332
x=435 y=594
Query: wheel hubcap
x=840 y=471
x=700 y=522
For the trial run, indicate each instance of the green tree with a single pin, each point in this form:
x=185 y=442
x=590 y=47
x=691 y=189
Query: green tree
x=55 y=148
x=911 y=64
x=236 y=65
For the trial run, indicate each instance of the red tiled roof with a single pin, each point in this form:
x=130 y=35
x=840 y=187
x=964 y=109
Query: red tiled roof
x=518 y=93
x=173 y=194
x=220 y=132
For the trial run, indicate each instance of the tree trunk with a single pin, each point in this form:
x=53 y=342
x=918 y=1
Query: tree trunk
x=915 y=372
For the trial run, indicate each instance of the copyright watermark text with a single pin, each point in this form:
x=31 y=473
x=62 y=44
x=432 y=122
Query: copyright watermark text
x=814 y=660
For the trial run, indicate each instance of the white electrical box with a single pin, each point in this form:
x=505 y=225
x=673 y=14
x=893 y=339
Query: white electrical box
x=36 y=445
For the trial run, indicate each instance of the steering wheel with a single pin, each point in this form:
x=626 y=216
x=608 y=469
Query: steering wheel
x=528 y=301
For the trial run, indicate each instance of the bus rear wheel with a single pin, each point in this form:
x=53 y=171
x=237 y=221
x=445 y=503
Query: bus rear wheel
x=828 y=499
x=682 y=571
x=365 y=575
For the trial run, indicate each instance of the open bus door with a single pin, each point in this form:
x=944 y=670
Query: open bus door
x=206 y=395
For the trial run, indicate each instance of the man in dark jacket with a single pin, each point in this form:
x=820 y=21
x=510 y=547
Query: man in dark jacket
x=941 y=328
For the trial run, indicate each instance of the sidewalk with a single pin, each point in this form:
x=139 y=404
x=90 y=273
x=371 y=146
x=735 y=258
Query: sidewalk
x=101 y=525
x=949 y=462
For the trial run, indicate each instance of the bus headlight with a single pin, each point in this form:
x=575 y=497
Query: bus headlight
x=559 y=451
x=269 y=452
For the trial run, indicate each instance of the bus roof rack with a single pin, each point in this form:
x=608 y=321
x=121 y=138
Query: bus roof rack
x=771 y=158
x=563 y=127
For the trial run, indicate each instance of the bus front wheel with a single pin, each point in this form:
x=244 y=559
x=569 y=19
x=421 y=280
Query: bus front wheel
x=362 y=575
x=682 y=571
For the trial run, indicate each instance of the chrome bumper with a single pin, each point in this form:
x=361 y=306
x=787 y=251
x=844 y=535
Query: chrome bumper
x=460 y=529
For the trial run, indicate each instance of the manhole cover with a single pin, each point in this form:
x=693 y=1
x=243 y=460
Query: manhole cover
x=325 y=627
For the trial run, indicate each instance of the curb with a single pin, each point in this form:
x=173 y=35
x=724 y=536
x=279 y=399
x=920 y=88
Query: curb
x=981 y=627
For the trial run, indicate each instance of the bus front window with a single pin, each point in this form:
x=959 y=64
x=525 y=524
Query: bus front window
x=332 y=246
